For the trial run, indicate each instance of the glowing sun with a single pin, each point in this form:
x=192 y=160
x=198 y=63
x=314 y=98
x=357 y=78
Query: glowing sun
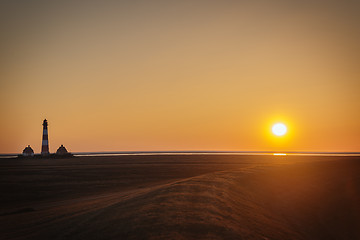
x=279 y=129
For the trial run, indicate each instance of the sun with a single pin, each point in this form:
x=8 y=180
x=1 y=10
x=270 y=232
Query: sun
x=279 y=129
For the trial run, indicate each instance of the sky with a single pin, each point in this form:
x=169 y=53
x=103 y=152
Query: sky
x=180 y=75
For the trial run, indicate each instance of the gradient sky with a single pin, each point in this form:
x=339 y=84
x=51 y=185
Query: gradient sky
x=180 y=75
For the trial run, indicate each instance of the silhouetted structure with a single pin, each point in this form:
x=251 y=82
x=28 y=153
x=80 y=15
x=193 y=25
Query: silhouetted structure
x=62 y=151
x=28 y=152
x=45 y=141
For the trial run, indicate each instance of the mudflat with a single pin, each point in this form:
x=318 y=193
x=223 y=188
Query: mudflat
x=181 y=197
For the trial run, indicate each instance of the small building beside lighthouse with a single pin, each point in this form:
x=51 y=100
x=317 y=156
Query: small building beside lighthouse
x=28 y=152
x=62 y=151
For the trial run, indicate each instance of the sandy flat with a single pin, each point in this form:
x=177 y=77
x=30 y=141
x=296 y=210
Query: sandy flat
x=181 y=197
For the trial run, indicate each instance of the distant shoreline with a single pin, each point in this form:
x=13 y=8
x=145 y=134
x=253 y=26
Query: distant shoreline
x=116 y=153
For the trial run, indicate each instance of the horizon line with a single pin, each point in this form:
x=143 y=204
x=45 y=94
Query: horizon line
x=195 y=151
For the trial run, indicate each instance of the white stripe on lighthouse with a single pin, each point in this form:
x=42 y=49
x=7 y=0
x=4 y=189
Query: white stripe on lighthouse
x=45 y=142
x=45 y=132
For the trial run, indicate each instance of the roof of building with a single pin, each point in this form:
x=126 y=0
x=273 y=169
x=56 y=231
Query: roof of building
x=61 y=150
x=28 y=150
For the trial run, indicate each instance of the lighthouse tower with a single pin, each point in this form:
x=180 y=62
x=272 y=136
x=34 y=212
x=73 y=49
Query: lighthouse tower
x=45 y=142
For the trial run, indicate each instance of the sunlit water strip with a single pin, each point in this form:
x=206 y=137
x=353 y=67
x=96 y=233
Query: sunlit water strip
x=149 y=153
x=218 y=153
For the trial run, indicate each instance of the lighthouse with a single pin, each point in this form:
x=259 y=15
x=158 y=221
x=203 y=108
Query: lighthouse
x=45 y=142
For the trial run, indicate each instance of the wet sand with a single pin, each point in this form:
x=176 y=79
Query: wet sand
x=181 y=197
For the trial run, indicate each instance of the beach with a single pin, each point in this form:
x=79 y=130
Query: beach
x=181 y=197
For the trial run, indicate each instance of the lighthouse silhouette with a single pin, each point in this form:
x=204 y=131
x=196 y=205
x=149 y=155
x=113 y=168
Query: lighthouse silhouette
x=45 y=141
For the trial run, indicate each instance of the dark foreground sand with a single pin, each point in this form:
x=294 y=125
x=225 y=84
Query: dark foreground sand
x=181 y=197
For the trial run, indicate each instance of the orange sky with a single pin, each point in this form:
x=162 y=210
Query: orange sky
x=180 y=75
